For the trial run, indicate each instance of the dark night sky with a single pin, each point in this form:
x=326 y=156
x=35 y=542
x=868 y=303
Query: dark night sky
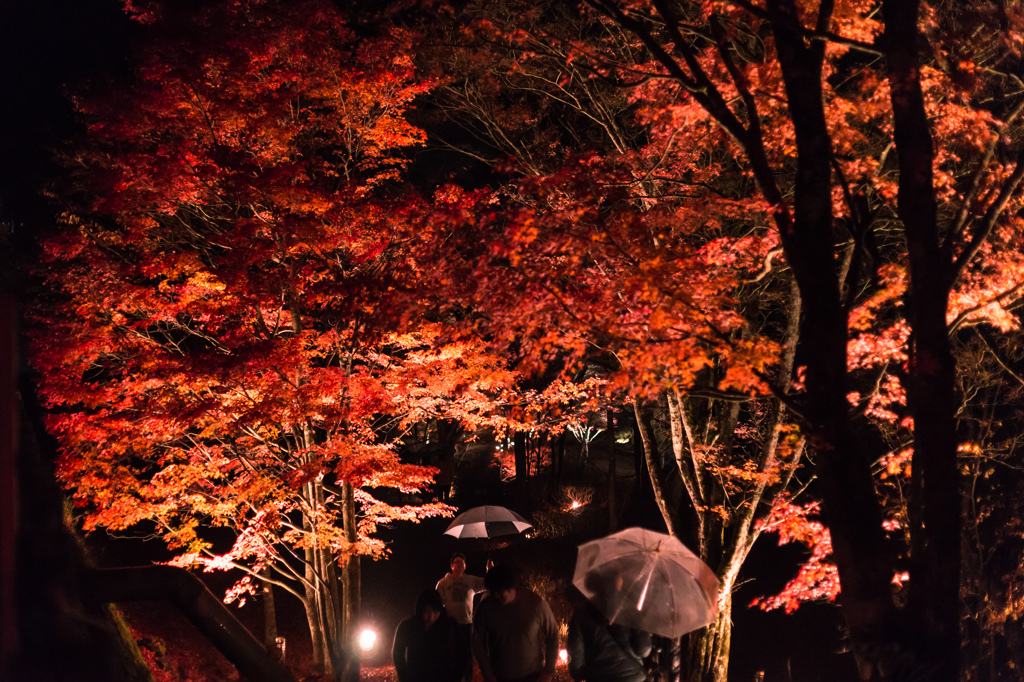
x=50 y=48
x=46 y=47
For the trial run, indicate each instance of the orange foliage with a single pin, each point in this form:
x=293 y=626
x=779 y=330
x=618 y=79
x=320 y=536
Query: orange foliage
x=234 y=342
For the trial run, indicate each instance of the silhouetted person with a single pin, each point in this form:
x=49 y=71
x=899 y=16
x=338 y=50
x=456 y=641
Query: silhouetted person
x=427 y=646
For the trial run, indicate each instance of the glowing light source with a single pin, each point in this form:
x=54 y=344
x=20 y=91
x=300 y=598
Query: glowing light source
x=575 y=504
x=367 y=638
x=563 y=656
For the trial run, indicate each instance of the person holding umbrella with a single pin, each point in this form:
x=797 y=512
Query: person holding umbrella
x=650 y=581
x=598 y=650
x=665 y=588
x=515 y=636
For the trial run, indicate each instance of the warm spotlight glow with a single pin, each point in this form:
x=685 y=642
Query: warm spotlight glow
x=367 y=638
x=575 y=504
x=563 y=656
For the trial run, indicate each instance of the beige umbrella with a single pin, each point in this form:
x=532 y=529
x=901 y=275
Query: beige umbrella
x=649 y=581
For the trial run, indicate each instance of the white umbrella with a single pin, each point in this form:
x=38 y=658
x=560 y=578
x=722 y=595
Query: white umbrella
x=649 y=581
x=487 y=522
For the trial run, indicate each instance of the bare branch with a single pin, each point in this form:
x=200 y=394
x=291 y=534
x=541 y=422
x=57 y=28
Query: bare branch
x=1006 y=192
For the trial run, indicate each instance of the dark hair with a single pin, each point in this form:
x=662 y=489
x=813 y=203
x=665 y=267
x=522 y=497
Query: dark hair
x=457 y=555
x=501 y=577
x=594 y=582
x=604 y=585
x=429 y=599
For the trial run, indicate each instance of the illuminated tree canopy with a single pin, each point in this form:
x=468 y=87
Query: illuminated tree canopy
x=789 y=231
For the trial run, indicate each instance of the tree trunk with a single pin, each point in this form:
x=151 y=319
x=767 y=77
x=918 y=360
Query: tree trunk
x=643 y=476
x=519 y=451
x=321 y=661
x=690 y=472
x=269 y=615
x=653 y=459
x=321 y=614
x=613 y=517
x=805 y=225
x=707 y=651
x=850 y=503
x=323 y=604
x=559 y=454
x=933 y=601
x=335 y=611
x=448 y=432
x=351 y=589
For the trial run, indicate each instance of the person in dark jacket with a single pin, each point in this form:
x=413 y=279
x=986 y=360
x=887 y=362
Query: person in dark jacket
x=664 y=663
x=515 y=635
x=600 y=651
x=427 y=646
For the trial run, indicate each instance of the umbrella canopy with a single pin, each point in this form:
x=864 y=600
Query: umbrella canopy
x=649 y=581
x=488 y=521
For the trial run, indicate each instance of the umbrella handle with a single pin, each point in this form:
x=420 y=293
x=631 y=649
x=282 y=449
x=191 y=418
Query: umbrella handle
x=643 y=592
x=647 y=583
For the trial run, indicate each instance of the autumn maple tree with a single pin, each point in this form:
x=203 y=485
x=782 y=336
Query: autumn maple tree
x=865 y=141
x=665 y=290
x=786 y=231
x=234 y=338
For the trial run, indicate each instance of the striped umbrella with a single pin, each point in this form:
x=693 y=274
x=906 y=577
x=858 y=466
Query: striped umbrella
x=488 y=521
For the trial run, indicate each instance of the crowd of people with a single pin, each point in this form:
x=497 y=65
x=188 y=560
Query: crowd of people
x=511 y=633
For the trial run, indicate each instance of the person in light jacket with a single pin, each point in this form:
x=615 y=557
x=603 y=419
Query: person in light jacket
x=458 y=589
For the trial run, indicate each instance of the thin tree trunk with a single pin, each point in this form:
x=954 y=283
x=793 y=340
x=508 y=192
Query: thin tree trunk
x=643 y=476
x=334 y=608
x=321 y=603
x=316 y=602
x=331 y=612
x=269 y=614
x=519 y=451
x=351 y=587
x=316 y=632
x=682 y=449
x=311 y=580
x=559 y=452
x=613 y=516
x=653 y=459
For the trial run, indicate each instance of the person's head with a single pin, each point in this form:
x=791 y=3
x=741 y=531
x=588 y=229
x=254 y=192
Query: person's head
x=604 y=586
x=502 y=582
x=429 y=607
x=458 y=564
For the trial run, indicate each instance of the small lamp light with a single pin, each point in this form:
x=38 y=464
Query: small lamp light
x=367 y=639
